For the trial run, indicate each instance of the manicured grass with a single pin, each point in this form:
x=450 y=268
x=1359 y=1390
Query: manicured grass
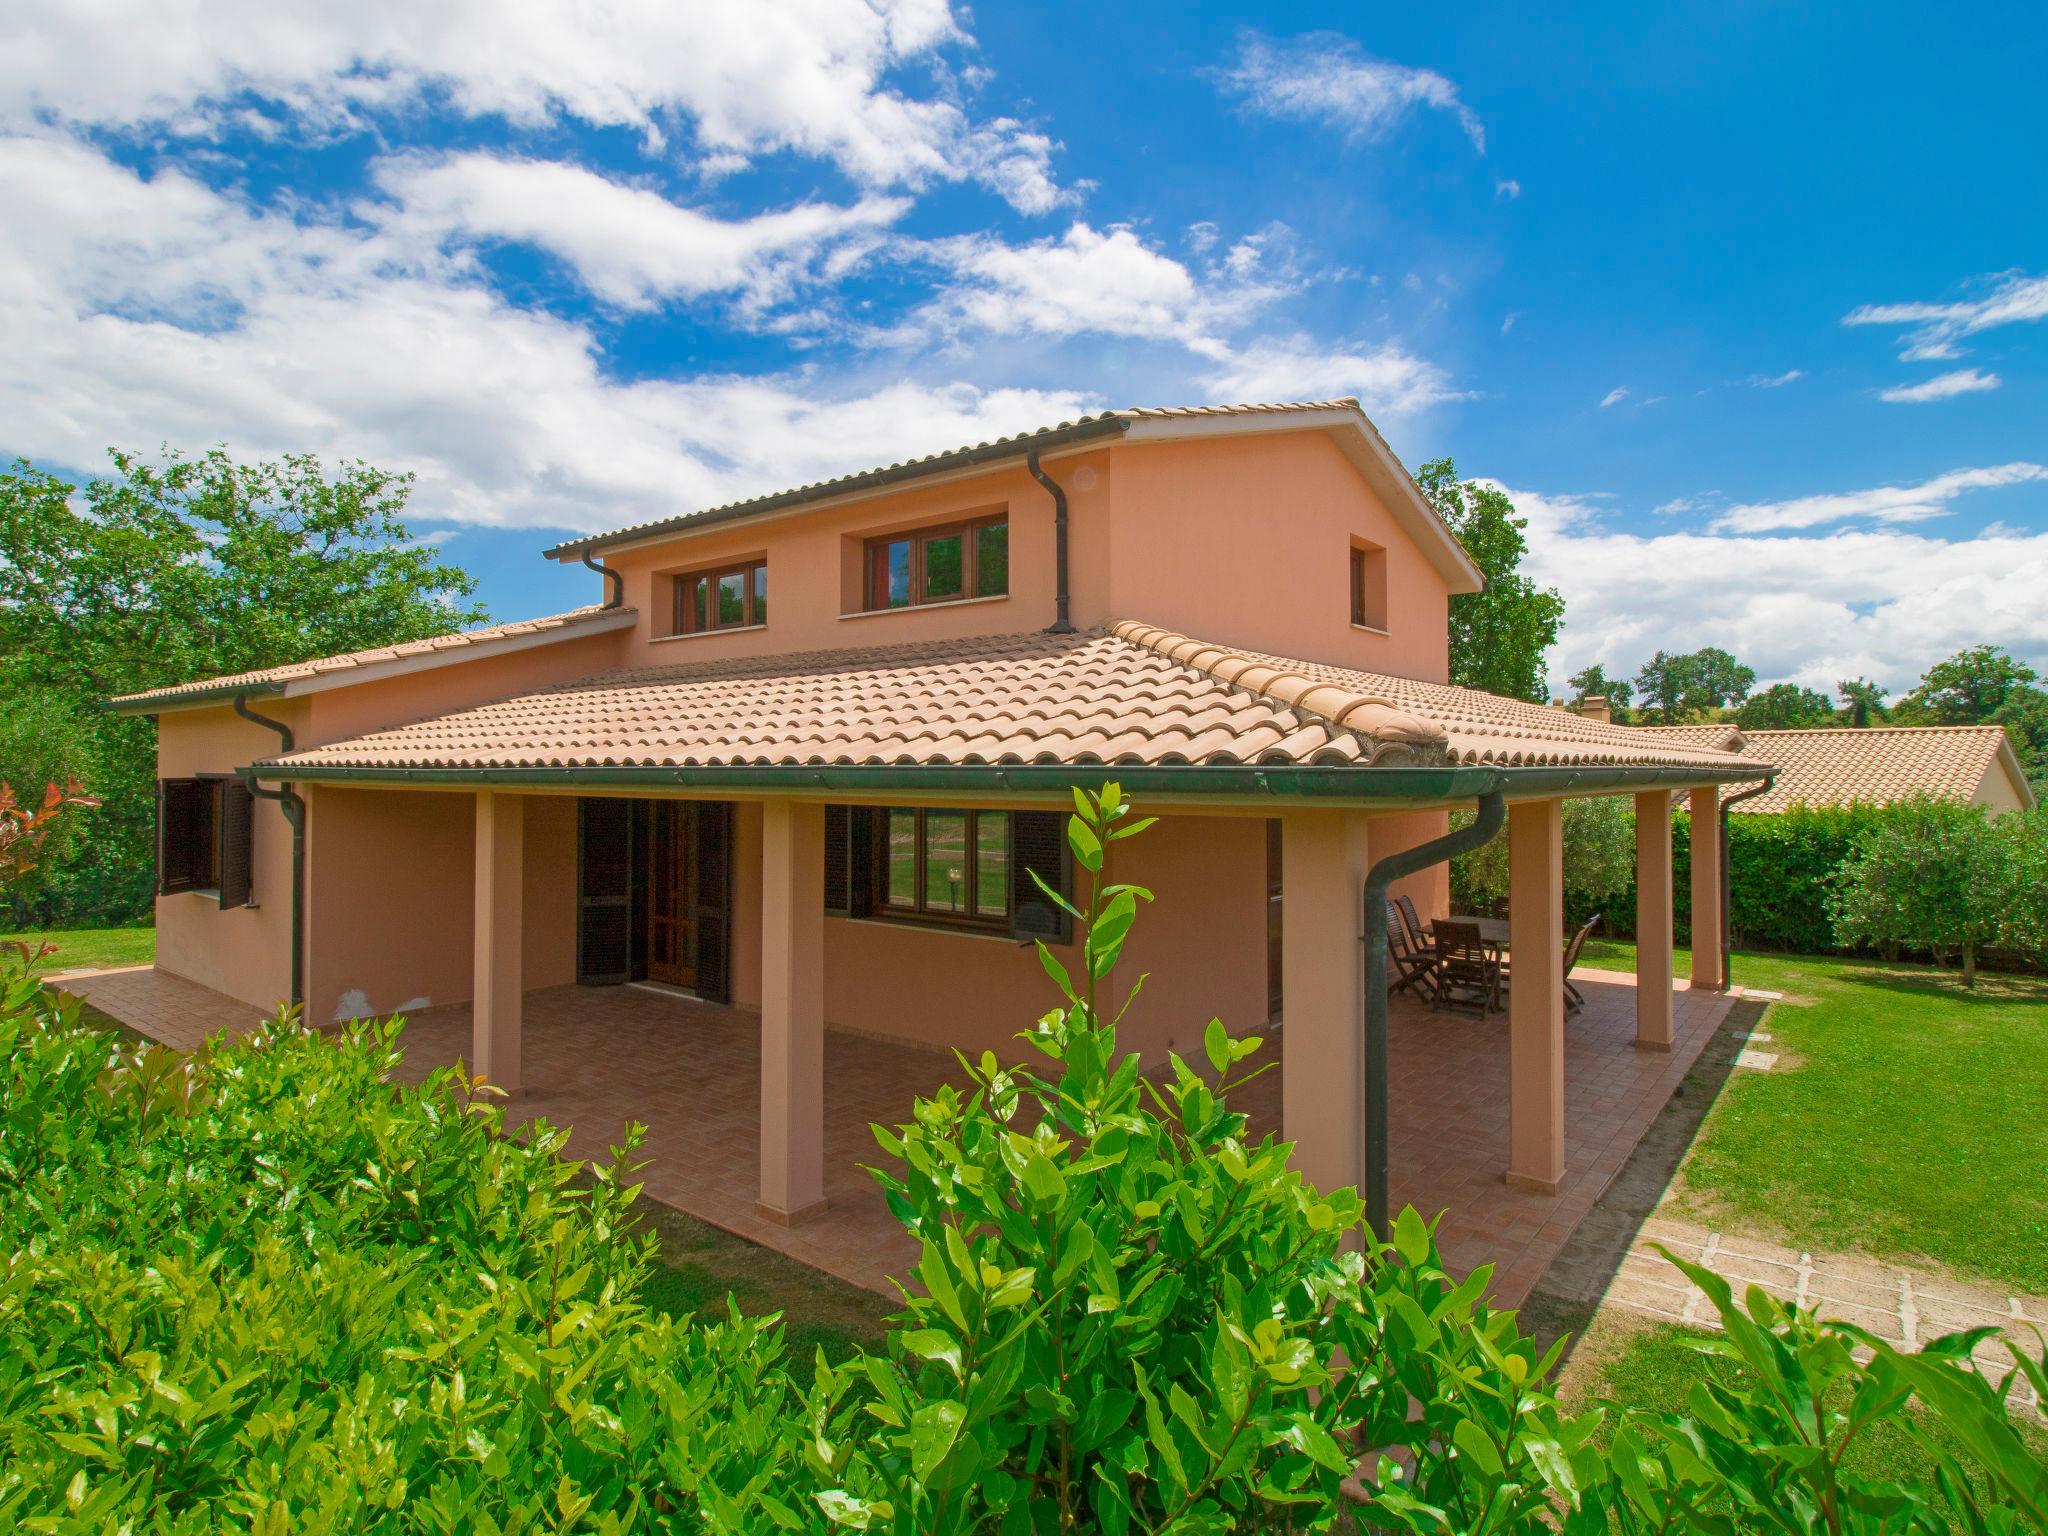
x=1903 y=1119
x=92 y=949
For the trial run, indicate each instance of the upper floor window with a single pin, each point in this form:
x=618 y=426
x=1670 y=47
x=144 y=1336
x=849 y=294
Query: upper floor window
x=1369 y=586
x=732 y=597
x=939 y=565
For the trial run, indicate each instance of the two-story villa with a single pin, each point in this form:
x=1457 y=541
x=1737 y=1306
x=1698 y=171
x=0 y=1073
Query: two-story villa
x=802 y=756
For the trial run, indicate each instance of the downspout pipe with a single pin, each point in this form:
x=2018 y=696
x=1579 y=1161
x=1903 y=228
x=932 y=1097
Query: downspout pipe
x=1493 y=811
x=1062 y=623
x=614 y=583
x=294 y=807
x=1727 y=881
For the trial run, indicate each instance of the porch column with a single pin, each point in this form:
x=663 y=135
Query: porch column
x=1706 y=891
x=499 y=946
x=792 y=1011
x=1536 y=996
x=1322 y=979
x=1653 y=921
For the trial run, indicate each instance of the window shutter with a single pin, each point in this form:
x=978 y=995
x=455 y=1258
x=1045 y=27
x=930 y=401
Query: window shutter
x=183 y=828
x=604 y=891
x=714 y=899
x=849 y=860
x=1038 y=841
x=234 y=829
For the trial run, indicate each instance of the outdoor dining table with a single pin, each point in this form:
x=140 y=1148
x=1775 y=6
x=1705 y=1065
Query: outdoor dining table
x=1493 y=931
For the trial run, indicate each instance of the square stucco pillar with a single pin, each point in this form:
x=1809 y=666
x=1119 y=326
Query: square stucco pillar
x=1323 y=863
x=792 y=1011
x=500 y=947
x=1536 y=998
x=1653 y=921
x=1706 y=891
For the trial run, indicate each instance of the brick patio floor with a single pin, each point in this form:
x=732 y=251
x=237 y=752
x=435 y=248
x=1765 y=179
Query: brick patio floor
x=595 y=1057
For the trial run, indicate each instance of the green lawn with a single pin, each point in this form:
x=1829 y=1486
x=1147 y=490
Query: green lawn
x=1903 y=1120
x=93 y=949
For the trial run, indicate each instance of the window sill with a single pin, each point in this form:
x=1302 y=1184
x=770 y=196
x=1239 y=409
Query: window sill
x=708 y=634
x=1372 y=629
x=951 y=602
x=210 y=892
x=916 y=925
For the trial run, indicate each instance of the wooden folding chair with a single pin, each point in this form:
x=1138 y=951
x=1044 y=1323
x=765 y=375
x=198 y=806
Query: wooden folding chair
x=1467 y=971
x=1573 y=945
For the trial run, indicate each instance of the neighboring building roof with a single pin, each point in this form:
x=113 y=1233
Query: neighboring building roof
x=1132 y=694
x=378 y=661
x=1871 y=765
x=1356 y=435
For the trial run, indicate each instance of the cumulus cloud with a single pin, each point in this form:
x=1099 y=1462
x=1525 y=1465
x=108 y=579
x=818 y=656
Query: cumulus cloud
x=1882 y=504
x=629 y=245
x=143 y=311
x=1943 y=386
x=1934 y=329
x=1883 y=603
x=818 y=78
x=1388 y=380
x=1325 y=77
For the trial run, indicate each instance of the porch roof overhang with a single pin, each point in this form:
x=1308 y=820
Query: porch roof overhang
x=1008 y=715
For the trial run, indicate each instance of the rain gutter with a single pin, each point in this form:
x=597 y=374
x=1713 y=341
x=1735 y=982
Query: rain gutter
x=1727 y=882
x=1061 y=625
x=1493 y=810
x=1280 y=781
x=294 y=807
x=163 y=699
x=614 y=581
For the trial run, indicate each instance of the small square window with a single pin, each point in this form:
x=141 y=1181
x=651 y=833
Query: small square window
x=938 y=565
x=735 y=597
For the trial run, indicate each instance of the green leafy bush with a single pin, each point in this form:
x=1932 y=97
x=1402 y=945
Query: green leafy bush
x=1599 y=861
x=264 y=1288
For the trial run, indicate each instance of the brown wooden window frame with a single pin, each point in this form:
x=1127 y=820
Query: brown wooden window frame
x=875 y=575
x=683 y=618
x=1369 y=587
x=921 y=913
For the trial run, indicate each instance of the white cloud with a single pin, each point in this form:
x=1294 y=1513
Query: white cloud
x=1325 y=77
x=1776 y=380
x=1883 y=504
x=2013 y=298
x=1943 y=386
x=1614 y=396
x=139 y=312
x=1883 y=603
x=1102 y=281
x=1508 y=188
x=1508 y=321
x=628 y=245
x=1388 y=380
x=812 y=77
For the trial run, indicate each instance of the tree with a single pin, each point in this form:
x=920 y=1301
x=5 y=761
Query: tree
x=1934 y=875
x=1686 y=686
x=1966 y=689
x=1862 y=701
x=1599 y=858
x=166 y=571
x=1785 y=707
x=1594 y=683
x=1499 y=636
x=2024 y=714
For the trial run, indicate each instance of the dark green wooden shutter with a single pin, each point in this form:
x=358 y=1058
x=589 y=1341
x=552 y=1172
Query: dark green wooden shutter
x=184 y=833
x=714 y=900
x=234 y=835
x=849 y=860
x=1038 y=841
x=604 y=891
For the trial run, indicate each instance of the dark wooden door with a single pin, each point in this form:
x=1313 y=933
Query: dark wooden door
x=672 y=894
x=604 y=895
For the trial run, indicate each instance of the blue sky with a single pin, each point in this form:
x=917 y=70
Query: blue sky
x=1744 y=304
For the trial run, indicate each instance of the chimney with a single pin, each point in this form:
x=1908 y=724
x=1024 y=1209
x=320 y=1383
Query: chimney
x=1594 y=707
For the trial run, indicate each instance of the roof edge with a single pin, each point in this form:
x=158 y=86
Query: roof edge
x=1085 y=429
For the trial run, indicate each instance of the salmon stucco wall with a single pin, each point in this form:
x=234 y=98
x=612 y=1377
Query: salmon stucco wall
x=245 y=951
x=379 y=704
x=814 y=595
x=1429 y=889
x=1246 y=541
x=391 y=904
x=1203 y=942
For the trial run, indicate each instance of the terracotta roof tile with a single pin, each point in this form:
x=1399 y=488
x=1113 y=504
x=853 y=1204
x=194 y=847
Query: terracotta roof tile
x=1115 y=696
x=1845 y=765
x=351 y=661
